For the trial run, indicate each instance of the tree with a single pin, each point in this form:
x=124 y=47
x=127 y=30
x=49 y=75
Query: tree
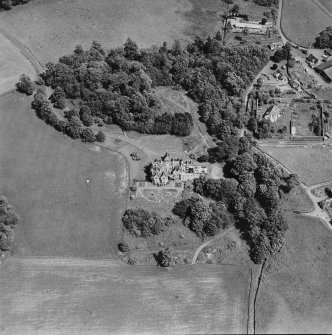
x=235 y=9
x=164 y=257
x=123 y=247
x=25 y=85
x=87 y=135
x=100 y=137
x=244 y=163
x=264 y=20
x=130 y=49
x=74 y=127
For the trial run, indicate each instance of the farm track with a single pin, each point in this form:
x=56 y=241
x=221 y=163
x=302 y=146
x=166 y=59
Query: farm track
x=24 y=51
x=205 y=244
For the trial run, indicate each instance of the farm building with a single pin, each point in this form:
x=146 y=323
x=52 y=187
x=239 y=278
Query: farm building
x=166 y=169
x=312 y=60
x=272 y=113
x=276 y=45
x=239 y=26
x=325 y=70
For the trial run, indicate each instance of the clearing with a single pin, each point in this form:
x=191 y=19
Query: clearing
x=12 y=65
x=303 y=20
x=295 y=293
x=44 y=174
x=72 y=296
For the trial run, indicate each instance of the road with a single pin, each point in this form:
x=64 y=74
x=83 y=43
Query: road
x=205 y=244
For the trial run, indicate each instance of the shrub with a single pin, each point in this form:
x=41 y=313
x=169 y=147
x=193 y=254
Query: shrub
x=25 y=85
x=100 y=136
x=123 y=247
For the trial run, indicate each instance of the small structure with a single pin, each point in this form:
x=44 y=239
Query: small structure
x=252 y=27
x=297 y=59
x=275 y=45
x=272 y=113
x=312 y=60
x=325 y=70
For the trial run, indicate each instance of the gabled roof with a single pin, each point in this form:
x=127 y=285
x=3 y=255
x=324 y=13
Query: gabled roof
x=312 y=59
x=272 y=110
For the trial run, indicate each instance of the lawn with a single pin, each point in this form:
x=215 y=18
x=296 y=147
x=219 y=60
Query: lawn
x=302 y=21
x=295 y=293
x=313 y=165
x=44 y=175
x=69 y=296
x=12 y=65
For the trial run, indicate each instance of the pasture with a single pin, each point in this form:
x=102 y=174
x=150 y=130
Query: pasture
x=45 y=176
x=52 y=28
x=303 y=20
x=12 y=65
x=312 y=164
x=68 y=296
x=294 y=296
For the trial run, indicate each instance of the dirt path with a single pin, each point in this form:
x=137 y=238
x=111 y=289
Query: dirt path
x=205 y=244
x=24 y=51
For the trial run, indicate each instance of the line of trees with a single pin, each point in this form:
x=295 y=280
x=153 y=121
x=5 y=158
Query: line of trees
x=71 y=125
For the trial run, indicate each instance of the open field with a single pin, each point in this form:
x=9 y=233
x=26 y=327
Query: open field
x=12 y=65
x=44 y=175
x=297 y=201
x=295 y=293
x=313 y=165
x=327 y=4
x=302 y=21
x=68 y=296
x=52 y=28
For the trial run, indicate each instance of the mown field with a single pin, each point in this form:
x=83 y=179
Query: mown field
x=52 y=296
x=303 y=20
x=295 y=294
x=12 y=65
x=52 y=28
x=44 y=175
x=313 y=165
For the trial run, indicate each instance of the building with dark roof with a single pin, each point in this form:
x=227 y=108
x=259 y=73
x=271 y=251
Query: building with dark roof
x=325 y=70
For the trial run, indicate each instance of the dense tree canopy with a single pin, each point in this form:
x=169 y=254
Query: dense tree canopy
x=324 y=40
x=117 y=86
x=8 y=222
x=8 y=4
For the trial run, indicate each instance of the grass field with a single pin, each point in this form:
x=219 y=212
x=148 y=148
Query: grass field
x=12 y=65
x=52 y=296
x=313 y=165
x=44 y=175
x=295 y=294
x=327 y=4
x=303 y=20
x=51 y=28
